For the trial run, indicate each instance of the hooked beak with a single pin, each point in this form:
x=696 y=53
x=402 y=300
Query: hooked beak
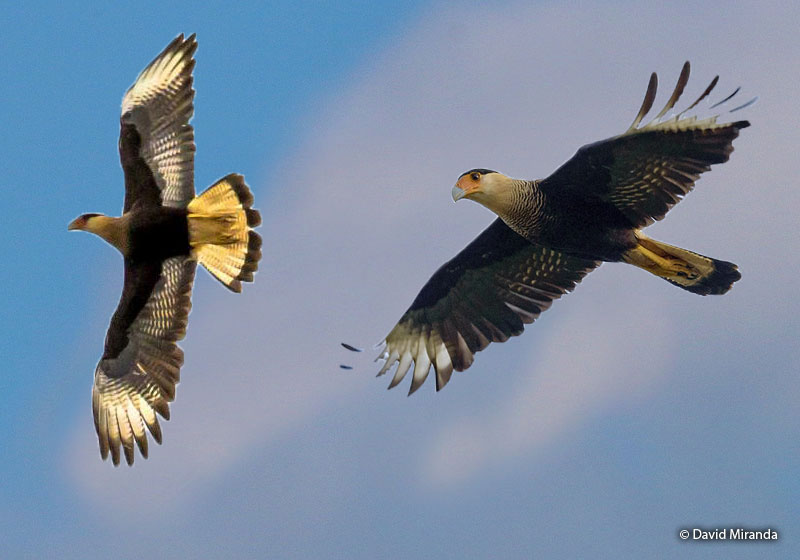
x=458 y=193
x=75 y=224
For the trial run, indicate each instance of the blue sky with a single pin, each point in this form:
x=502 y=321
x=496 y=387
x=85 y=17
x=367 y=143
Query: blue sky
x=628 y=411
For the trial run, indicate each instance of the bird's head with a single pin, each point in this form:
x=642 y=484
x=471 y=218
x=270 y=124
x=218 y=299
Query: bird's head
x=489 y=188
x=82 y=222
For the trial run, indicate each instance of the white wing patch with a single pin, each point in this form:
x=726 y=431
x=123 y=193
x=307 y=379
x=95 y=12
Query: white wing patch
x=160 y=104
x=130 y=389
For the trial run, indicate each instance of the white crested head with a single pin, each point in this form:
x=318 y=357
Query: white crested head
x=493 y=190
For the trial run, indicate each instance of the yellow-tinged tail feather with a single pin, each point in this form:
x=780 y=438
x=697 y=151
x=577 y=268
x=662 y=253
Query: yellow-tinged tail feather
x=220 y=234
x=693 y=272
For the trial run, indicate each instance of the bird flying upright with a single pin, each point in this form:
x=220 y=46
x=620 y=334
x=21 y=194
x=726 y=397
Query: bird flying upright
x=551 y=232
x=163 y=232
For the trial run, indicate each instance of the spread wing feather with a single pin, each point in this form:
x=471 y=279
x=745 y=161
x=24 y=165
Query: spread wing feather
x=156 y=142
x=140 y=367
x=486 y=293
x=649 y=168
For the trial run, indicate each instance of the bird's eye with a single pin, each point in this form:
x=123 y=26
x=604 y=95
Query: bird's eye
x=475 y=176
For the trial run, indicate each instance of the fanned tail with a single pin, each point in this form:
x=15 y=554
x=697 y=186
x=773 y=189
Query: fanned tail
x=220 y=234
x=693 y=272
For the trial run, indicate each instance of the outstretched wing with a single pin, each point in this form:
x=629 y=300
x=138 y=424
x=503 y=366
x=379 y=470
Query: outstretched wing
x=156 y=142
x=648 y=169
x=140 y=367
x=486 y=293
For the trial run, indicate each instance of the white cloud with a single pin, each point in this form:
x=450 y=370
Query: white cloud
x=585 y=363
x=360 y=216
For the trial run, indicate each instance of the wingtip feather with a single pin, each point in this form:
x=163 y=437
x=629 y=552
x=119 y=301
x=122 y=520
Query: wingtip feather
x=683 y=79
x=647 y=103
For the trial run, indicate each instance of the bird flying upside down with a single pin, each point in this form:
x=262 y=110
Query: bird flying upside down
x=551 y=232
x=163 y=232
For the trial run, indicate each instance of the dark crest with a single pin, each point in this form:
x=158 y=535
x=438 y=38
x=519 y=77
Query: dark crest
x=481 y=171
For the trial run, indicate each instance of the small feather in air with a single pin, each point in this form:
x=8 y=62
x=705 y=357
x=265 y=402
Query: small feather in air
x=351 y=348
x=345 y=367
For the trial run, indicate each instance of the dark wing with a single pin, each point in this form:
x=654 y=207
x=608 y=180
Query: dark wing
x=140 y=367
x=156 y=142
x=648 y=169
x=498 y=283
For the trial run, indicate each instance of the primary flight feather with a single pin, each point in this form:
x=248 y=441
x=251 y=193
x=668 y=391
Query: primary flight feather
x=163 y=232
x=551 y=232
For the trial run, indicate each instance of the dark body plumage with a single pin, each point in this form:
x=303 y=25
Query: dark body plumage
x=551 y=232
x=157 y=233
x=163 y=232
x=580 y=225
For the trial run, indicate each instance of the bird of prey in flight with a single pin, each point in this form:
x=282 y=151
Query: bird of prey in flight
x=551 y=232
x=163 y=232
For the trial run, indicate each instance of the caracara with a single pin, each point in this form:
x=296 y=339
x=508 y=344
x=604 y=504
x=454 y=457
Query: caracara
x=163 y=232
x=552 y=232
